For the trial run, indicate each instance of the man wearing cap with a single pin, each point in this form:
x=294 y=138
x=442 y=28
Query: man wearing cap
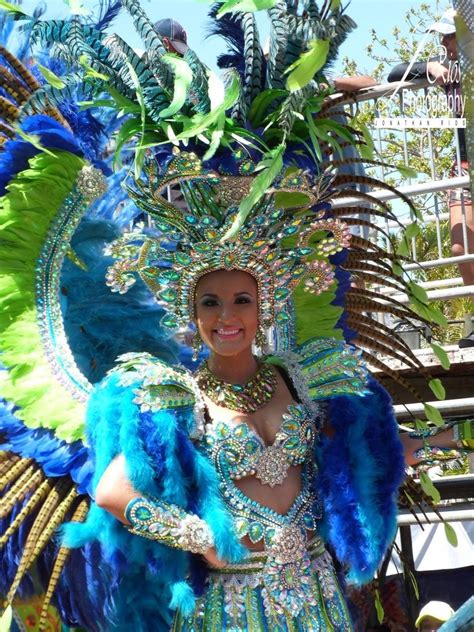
x=433 y=615
x=173 y=35
x=435 y=69
x=442 y=70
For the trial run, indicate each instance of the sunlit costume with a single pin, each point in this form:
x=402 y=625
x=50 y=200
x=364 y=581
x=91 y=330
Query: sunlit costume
x=271 y=219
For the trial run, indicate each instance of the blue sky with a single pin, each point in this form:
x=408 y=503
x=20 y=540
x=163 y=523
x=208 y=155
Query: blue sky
x=378 y=14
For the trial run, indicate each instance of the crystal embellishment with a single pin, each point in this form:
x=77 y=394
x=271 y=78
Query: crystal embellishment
x=288 y=545
x=272 y=466
x=91 y=183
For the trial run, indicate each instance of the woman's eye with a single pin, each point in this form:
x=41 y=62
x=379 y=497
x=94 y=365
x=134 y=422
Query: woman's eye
x=242 y=299
x=209 y=302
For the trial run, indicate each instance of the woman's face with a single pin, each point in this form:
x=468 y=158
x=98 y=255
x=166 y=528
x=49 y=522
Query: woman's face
x=227 y=311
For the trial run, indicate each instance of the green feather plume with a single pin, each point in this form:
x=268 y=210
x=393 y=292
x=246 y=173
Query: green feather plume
x=26 y=212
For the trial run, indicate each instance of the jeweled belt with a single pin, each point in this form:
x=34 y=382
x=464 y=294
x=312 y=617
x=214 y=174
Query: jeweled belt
x=256 y=560
x=285 y=575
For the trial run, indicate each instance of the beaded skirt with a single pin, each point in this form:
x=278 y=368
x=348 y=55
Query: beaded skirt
x=249 y=597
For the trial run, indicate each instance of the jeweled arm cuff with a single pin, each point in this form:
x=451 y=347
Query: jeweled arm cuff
x=169 y=525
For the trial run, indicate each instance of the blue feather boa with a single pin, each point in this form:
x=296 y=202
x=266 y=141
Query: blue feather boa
x=361 y=468
x=161 y=461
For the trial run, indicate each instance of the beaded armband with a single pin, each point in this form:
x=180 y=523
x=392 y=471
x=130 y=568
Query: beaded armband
x=168 y=524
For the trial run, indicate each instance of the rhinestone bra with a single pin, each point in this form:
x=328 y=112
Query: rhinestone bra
x=244 y=453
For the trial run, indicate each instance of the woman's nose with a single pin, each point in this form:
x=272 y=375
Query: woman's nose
x=227 y=312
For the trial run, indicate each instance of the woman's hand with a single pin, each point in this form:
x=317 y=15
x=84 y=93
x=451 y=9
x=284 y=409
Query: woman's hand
x=211 y=558
x=438 y=72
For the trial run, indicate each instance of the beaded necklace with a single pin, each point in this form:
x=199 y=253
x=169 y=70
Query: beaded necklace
x=243 y=398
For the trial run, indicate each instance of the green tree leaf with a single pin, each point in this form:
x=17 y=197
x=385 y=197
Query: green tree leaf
x=450 y=534
x=412 y=230
x=406 y=171
x=302 y=71
x=403 y=247
x=245 y=6
x=418 y=292
x=433 y=414
x=397 y=269
x=420 y=424
x=429 y=488
x=442 y=356
x=378 y=606
x=429 y=312
x=438 y=389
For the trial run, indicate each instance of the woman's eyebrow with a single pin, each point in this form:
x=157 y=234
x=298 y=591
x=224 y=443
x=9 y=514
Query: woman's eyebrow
x=241 y=293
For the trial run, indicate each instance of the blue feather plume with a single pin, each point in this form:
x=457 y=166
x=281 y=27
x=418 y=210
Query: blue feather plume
x=229 y=27
x=98 y=321
x=109 y=10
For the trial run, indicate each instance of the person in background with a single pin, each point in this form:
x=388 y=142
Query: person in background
x=433 y=615
x=441 y=70
x=173 y=35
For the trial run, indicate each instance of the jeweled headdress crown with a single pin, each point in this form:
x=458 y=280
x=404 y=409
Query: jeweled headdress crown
x=283 y=240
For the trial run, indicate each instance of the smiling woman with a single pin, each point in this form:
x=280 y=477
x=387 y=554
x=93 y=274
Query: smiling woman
x=223 y=499
x=275 y=454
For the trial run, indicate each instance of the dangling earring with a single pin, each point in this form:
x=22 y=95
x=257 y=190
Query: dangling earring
x=261 y=339
x=197 y=345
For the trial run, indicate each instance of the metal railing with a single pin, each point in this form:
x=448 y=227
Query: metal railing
x=442 y=172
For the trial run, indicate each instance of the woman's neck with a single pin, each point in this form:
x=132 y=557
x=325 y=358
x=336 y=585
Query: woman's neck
x=237 y=369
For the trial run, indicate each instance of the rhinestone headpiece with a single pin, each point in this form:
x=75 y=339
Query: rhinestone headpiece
x=284 y=241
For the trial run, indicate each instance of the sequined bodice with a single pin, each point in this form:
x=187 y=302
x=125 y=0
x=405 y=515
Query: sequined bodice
x=237 y=451
x=244 y=453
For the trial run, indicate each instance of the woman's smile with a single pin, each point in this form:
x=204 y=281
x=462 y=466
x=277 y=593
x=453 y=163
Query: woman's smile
x=228 y=333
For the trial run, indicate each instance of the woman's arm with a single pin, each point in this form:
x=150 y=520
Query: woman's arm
x=412 y=445
x=352 y=84
x=114 y=491
x=151 y=518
